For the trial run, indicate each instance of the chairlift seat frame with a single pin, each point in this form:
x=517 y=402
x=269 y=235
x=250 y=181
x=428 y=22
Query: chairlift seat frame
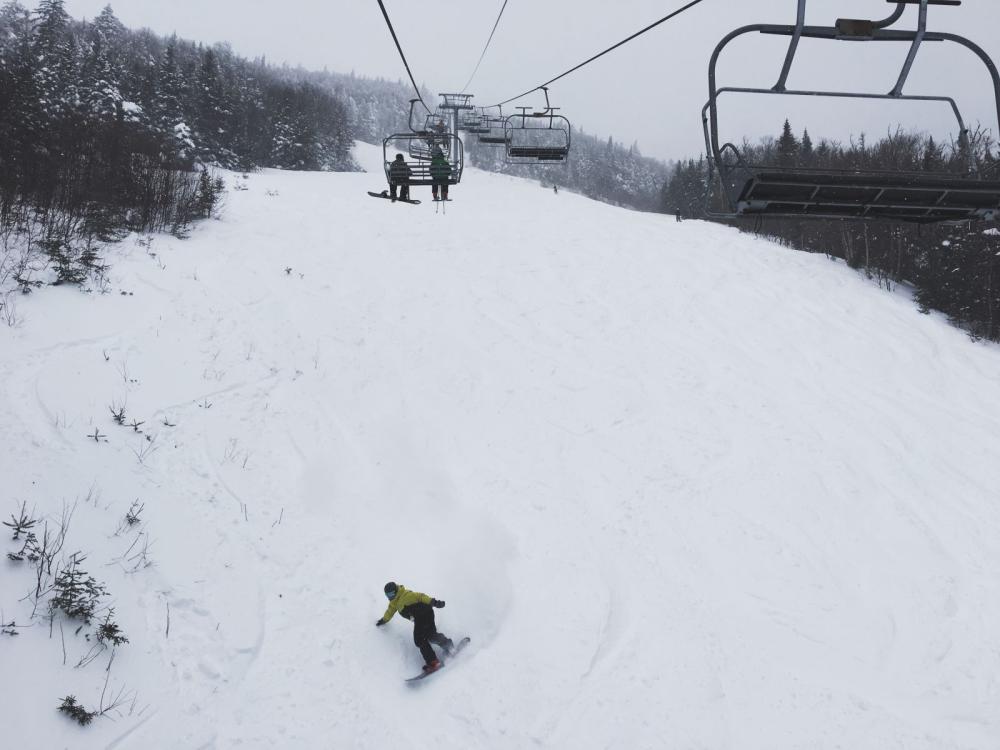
x=420 y=169
x=912 y=197
x=519 y=151
x=754 y=190
x=429 y=136
x=473 y=123
x=493 y=133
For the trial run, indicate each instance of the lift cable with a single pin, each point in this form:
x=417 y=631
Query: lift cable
x=405 y=64
x=483 y=56
x=602 y=54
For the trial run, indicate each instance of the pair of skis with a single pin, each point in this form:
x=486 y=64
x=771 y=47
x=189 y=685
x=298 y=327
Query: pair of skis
x=424 y=675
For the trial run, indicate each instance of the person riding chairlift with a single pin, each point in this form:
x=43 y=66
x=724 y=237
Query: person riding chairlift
x=440 y=174
x=399 y=178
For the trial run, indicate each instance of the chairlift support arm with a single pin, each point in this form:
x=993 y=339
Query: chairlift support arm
x=409 y=120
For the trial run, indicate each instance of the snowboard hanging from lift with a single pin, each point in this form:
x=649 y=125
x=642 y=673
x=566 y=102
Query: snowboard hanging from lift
x=385 y=194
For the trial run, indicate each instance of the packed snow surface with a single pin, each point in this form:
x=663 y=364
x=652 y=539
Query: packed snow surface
x=682 y=487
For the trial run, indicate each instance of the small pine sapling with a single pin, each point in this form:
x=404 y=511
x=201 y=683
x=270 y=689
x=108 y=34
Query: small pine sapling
x=77 y=712
x=22 y=525
x=29 y=551
x=108 y=632
x=77 y=593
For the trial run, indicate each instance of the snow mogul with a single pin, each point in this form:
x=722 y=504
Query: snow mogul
x=420 y=609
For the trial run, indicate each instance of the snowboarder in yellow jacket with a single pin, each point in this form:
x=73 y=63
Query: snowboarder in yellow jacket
x=420 y=609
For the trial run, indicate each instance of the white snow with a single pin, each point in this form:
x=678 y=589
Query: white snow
x=683 y=488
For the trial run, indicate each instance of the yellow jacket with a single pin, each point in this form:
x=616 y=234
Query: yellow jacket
x=403 y=599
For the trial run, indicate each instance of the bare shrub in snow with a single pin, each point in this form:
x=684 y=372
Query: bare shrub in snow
x=136 y=557
x=47 y=548
x=134 y=514
x=146 y=449
x=8 y=311
x=117 y=412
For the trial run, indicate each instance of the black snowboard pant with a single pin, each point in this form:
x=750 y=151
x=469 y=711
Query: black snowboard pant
x=404 y=191
x=425 y=632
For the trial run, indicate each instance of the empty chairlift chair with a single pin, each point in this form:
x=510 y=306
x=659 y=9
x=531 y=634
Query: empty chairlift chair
x=473 y=122
x=923 y=197
x=537 y=137
x=494 y=129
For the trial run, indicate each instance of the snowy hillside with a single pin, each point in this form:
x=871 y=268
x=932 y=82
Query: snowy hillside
x=683 y=488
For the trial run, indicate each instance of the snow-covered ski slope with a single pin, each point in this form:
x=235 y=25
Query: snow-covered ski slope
x=683 y=488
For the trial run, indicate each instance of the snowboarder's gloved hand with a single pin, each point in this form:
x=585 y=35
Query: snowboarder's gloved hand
x=437 y=603
x=379 y=622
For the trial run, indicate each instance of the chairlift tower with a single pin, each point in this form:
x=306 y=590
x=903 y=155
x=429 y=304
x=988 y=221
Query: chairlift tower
x=455 y=103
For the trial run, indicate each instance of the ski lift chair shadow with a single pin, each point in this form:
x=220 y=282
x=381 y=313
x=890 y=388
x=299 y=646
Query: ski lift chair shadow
x=922 y=197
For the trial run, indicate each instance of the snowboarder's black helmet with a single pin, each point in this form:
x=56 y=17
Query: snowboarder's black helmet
x=399 y=157
x=390 y=590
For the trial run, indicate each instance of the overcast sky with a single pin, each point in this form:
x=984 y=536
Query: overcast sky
x=651 y=90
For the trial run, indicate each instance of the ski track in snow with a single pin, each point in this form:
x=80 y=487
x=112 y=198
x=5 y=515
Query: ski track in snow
x=682 y=487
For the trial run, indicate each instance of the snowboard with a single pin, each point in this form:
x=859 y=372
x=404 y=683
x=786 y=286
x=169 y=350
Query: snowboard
x=385 y=194
x=458 y=648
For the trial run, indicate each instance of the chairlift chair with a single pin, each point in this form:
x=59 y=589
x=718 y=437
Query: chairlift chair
x=422 y=146
x=420 y=167
x=433 y=133
x=494 y=131
x=472 y=122
x=537 y=137
x=921 y=197
x=436 y=122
